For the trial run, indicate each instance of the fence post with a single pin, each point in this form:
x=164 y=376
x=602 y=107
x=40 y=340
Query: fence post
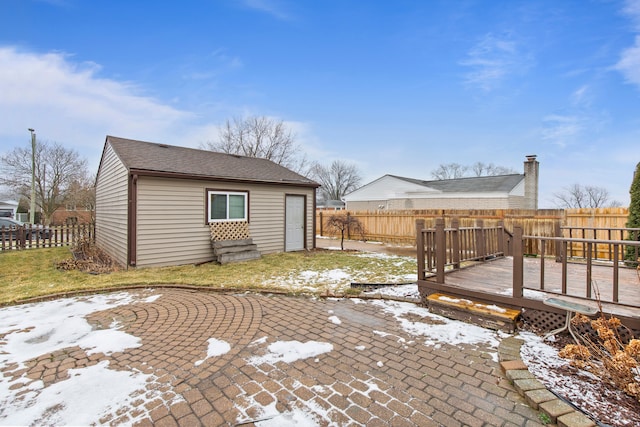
x=420 y=247
x=518 y=262
x=558 y=245
x=455 y=242
x=320 y=221
x=441 y=250
x=480 y=243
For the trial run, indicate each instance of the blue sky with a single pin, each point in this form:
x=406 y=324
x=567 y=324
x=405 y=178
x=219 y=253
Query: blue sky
x=397 y=87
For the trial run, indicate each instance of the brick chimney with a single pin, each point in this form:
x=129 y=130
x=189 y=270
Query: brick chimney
x=531 y=168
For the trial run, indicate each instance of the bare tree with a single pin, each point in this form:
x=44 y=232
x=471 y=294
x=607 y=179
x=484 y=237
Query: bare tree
x=483 y=169
x=578 y=196
x=81 y=194
x=262 y=137
x=56 y=168
x=449 y=171
x=456 y=170
x=336 y=180
x=345 y=224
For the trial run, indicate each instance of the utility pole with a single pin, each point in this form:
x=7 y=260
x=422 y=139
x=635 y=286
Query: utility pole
x=32 y=208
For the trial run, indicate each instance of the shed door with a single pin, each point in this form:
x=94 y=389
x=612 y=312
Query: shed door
x=294 y=223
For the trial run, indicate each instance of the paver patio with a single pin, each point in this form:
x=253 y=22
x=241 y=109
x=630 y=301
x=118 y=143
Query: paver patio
x=377 y=371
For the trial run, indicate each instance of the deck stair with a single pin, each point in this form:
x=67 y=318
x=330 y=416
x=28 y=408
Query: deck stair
x=227 y=251
x=486 y=315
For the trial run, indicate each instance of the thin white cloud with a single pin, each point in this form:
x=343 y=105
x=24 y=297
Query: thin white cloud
x=560 y=129
x=629 y=63
x=275 y=8
x=492 y=60
x=632 y=10
x=581 y=96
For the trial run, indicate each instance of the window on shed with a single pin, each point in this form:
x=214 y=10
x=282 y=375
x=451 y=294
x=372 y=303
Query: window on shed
x=227 y=206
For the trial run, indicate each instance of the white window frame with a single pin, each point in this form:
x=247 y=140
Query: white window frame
x=228 y=193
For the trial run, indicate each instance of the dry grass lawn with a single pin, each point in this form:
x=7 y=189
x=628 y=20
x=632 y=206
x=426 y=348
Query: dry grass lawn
x=33 y=273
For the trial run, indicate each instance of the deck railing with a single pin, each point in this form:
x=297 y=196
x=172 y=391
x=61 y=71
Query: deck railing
x=29 y=237
x=604 y=249
x=565 y=253
x=589 y=277
x=448 y=248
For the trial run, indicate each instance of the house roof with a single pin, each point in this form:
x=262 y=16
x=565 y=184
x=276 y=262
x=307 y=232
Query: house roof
x=189 y=162
x=498 y=183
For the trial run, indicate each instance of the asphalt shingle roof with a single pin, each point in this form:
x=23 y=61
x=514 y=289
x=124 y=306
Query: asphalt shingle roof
x=152 y=157
x=501 y=183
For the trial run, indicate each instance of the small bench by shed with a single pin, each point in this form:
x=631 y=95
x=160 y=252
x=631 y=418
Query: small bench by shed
x=486 y=315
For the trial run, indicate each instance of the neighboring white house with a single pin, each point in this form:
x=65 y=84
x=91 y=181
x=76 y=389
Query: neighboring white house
x=8 y=208
x=391 y=192
x=160 y=205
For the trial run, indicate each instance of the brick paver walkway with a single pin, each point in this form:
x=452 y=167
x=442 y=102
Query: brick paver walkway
x=376 y=374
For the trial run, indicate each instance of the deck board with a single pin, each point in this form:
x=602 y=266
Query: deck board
x=496 y=277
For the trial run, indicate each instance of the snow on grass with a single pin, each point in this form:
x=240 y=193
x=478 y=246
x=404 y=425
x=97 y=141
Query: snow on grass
x=215 y=348
x=366 y=268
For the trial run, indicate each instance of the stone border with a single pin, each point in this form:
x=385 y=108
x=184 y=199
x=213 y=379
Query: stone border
x=534 y=392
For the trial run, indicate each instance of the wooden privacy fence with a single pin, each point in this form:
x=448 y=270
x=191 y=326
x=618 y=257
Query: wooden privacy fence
x=29 y=236
x=399 y=226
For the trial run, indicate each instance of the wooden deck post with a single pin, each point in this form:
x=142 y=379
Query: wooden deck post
x=455 y=242
x=500 y=236
x=420 y=248
x=558 y=248
x=441 y=250
x=518 y=262
x=480 y=242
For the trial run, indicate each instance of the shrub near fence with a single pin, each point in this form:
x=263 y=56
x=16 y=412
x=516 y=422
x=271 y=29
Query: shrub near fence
x=63 y=235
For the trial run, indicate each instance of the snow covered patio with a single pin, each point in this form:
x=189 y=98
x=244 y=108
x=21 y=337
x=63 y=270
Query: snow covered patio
x=181 y=357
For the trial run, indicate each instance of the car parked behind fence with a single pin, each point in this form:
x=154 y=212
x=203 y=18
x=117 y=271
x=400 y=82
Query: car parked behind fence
x=13 y=228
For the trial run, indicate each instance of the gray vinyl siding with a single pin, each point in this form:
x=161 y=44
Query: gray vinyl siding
x=111 y=206
x=171 y=219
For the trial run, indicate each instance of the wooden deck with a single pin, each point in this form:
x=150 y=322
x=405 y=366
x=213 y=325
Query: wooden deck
x=496 y=277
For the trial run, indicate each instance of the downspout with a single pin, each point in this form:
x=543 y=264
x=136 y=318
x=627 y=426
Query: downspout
x=131 y=226
x=313 y=227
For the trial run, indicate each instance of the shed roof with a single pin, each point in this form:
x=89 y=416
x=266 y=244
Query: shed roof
x=498 y=183
x=189 y=162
